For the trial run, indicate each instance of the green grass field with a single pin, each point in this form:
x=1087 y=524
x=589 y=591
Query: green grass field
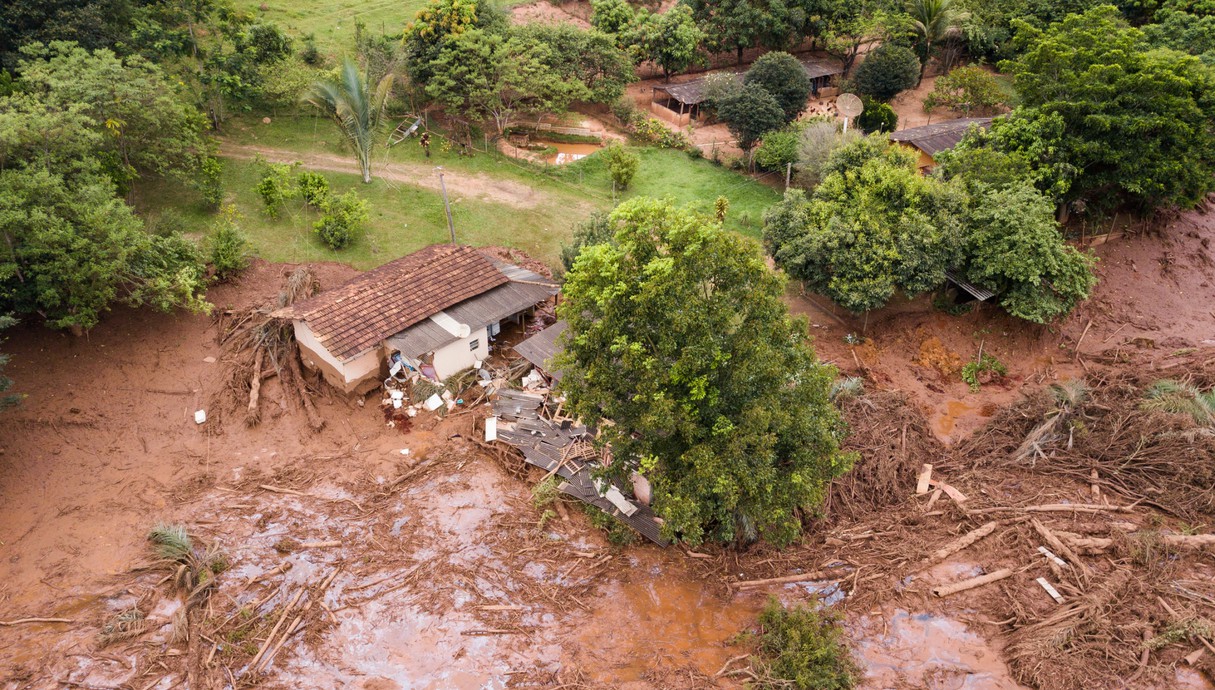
x=332 y=22
x=405 y=218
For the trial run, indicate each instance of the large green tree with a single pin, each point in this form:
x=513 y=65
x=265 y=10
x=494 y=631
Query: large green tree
x=590 y=58
x=1138 y=125
x=781 y=75
x=143 y=122
x=357 y=108
x=1189 y=33
x=670 y=40
x=1013 y=247
x=440 y=21
x=873 y=227
x=494 y=76
x=679 y=336
x=750 y=114
x=971 y=90
x=72 y=248
x=887 y=71
x=736 y=25
x=7 y=399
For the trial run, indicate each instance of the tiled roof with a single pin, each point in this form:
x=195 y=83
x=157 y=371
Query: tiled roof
x=357 y=315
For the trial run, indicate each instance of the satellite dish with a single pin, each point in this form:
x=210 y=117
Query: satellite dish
x=849 y=105
x=465 y=330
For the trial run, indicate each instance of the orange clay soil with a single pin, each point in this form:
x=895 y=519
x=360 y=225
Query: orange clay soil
x=441 y=573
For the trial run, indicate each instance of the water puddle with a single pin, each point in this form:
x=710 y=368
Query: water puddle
x=944 y=421
x=568 y=153
x=928 y=651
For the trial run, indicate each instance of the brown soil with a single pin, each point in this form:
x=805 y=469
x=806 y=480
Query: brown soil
x=444 y=575
x=545 y=12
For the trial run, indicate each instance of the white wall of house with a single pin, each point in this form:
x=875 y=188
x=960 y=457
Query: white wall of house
x=461 y=354
x=344 y=375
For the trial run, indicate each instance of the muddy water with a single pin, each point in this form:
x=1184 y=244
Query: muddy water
x=947 y=416
x=928 y=651
x=568 y=153
x=659 y=618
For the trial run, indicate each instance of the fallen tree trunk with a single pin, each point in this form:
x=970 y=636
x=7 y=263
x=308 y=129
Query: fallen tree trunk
x=814 y=575
x=252 y=415
x=946 y=590
x=315 y=421
x=960 y=543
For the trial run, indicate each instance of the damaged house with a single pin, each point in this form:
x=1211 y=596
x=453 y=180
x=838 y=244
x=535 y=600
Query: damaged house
x=435 y=311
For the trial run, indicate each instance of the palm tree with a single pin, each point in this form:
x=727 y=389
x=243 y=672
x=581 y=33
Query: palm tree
x=356 y=109
x=935 y=21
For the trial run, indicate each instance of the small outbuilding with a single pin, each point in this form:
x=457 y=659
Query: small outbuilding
x=930 y=140
x=435 y=311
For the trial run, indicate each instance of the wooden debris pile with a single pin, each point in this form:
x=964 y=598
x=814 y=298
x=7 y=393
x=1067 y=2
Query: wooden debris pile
x=259 y=346
x=561 y=447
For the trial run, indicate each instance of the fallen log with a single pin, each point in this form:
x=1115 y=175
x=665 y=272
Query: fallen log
x=1059 y=547
x=315 y=421
x=24 y=621
x=959 y=543
x=921 y=484
x=814 y=575
x=964 y=585
x=252 y=414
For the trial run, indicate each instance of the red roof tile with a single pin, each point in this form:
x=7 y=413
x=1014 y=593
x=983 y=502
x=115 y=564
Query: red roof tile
x=357 y=315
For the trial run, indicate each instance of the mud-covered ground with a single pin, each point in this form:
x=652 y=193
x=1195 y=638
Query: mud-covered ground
x=439 y=572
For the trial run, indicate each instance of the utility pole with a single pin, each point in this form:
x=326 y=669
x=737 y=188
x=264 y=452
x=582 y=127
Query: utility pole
x=788 y=174
x=451 y=227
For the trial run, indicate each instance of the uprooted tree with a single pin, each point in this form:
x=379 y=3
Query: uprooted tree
x=678 y=335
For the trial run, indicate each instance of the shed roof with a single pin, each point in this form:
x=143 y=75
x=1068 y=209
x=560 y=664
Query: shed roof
x=932 y=139
x=357 y=315
x=816 y=67
x=979 y=293
x=542 y=347
x=477 y=312
x=688 y=93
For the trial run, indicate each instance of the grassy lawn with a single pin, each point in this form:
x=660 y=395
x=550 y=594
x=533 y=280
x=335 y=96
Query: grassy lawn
x=332 y=22
x=405 y=218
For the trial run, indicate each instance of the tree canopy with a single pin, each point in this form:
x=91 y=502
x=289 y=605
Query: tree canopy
x=678 y=334
x=874 y=227
x=887 y=71
x=781 y=75
x=1137 y=125
x=750 y=114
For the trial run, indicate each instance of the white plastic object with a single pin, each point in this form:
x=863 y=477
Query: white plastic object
x=200 y=416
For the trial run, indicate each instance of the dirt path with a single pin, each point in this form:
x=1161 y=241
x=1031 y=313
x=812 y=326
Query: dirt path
x=459 y=184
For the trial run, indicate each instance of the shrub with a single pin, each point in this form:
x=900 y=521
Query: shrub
x=817 y=140
x=987 y=364
x=969 y=89
x=720 y=87
x=626 y=111
x=210 y=182
x=652 y=131
x=778 y=149
x=622 y=164
x=802 y=648
x=342 y=220
x=309 y=53
x=877 y=117
x=276 y=187
x=721 y=206
x=594 y=230
x=313 y=187
x=228 y=247
x=886 y=71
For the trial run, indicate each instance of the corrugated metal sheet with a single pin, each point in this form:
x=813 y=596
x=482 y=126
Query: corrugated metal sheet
x=933 y=139
x=981 y=294
x=688 y=93
x=478 y=312
x=542 y=347
x=822 y=68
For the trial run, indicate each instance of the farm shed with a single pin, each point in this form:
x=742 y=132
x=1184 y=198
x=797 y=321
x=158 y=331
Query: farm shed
x=822 y=73
x=678 y=103
x=930 y=140
x=435 y=310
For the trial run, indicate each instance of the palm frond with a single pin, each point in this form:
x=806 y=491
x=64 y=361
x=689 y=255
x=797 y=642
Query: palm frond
x=171 y=542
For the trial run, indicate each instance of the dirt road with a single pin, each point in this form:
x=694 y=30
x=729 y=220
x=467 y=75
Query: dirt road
x=459 y=184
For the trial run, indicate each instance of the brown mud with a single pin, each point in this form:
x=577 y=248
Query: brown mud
x=445 y=575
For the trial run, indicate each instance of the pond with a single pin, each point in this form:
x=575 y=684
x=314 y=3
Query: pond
x=568 y=153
